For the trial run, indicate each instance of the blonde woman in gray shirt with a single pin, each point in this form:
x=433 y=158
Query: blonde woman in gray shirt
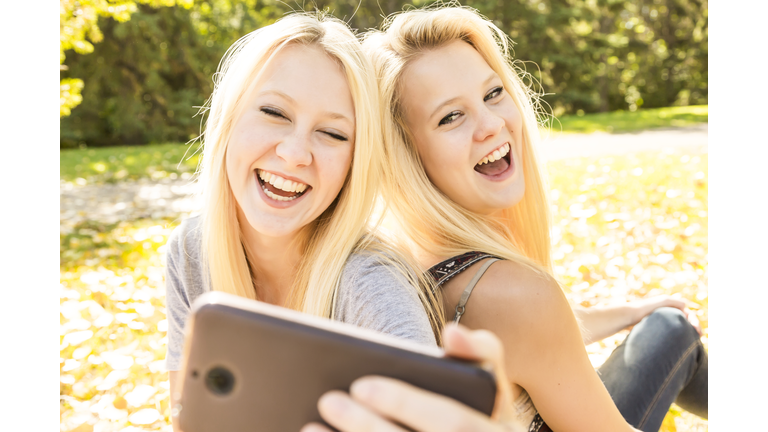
x=289 y=174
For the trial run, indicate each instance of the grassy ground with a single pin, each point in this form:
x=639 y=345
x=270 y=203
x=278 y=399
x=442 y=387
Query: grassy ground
x=628 y=121
x=112 y=164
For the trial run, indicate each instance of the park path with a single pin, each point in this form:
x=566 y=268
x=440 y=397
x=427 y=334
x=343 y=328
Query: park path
x=691 y=139
x=130 y=200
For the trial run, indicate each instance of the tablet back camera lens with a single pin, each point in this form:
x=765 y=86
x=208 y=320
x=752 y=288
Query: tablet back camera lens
x=220 y=381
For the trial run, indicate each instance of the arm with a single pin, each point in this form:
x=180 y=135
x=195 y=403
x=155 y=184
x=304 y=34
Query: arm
x=374 y=402
x=599 y=322
x=178 y=297
x=373 y=295
x=174 y=378
x=544 y=346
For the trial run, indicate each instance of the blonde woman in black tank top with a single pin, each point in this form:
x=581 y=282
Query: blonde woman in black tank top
x=464 y=181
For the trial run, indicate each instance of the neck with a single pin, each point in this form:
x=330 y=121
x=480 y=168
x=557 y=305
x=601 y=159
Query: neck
x=425 y=258
x=274 y=261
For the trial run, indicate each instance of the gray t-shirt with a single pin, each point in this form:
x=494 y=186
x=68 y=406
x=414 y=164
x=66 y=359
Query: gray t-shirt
x=370 y=295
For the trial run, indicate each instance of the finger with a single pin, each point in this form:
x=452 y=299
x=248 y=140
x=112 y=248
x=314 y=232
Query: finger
x=694 y=320
x=457 y=343
x=416 y=408
x=676 y=303
x=315 y=427
x=483 y=346
x=477 y=345
x=346 y=415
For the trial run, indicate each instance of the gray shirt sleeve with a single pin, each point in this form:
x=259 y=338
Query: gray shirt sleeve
x=373 y=295
x=183 y=284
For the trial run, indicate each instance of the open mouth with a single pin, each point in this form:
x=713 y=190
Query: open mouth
x=496 y=162
x=279 y=188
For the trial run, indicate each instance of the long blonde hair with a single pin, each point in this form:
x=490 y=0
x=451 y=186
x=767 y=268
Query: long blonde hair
x=342 y=228
x=430 y=219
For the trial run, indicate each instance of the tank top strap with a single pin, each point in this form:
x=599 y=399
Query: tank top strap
x=444 y=271
x=460 y=308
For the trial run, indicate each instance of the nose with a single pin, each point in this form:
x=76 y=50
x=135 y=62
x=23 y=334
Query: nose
x=295 y=149
x=489 y=124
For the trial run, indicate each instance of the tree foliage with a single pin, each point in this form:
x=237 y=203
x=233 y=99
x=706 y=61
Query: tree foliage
x=146 y=76
x=79 y=30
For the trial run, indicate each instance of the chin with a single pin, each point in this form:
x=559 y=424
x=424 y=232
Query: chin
x=271 y=225
x=506 y=202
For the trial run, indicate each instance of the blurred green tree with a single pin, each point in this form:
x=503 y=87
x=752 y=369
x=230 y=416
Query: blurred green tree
x=79 y=30
x=147 y=75
x=603 y=55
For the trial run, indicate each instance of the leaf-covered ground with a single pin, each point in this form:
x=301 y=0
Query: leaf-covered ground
x=633 y=226
x=625 y=227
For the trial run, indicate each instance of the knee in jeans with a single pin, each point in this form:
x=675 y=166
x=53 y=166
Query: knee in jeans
x=672 y=324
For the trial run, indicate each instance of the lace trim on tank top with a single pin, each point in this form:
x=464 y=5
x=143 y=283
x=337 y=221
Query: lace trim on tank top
x=445 y=271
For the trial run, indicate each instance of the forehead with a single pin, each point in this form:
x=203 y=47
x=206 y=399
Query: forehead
x=444 y=71
x=306 y=73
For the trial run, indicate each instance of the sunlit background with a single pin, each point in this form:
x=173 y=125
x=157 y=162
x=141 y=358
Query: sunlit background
x=630 y=220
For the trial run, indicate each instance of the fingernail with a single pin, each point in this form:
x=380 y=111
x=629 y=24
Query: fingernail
x=312 y=427
x=335 y=404
x=363 y=389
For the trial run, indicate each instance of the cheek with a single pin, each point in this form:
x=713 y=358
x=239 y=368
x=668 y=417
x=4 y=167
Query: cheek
x=334 y=165
x=237 y=160
x=515 y=119
x=441 y=155
x=430 y=159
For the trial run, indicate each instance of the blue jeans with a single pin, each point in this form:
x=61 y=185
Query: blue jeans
x=660 y=362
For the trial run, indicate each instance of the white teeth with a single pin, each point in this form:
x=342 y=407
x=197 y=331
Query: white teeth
x=282 y=184
x=278 y=197
x=496 y=155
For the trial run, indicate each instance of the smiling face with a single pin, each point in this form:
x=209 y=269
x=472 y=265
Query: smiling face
x=466 y=127
x=291 y=148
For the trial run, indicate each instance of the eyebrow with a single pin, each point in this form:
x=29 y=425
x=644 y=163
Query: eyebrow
x=490 y=78
x=329 y=114
x=277 y=93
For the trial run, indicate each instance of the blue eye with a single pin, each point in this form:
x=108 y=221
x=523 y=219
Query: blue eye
x=493 y=93
x=450 y=118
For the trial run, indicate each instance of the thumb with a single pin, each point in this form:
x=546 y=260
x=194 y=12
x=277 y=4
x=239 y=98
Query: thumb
x=485 y=347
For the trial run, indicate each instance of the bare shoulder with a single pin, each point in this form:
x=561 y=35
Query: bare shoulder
x=544 y=352
x=524 y=307
x=511 y=292
x=516 y=281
